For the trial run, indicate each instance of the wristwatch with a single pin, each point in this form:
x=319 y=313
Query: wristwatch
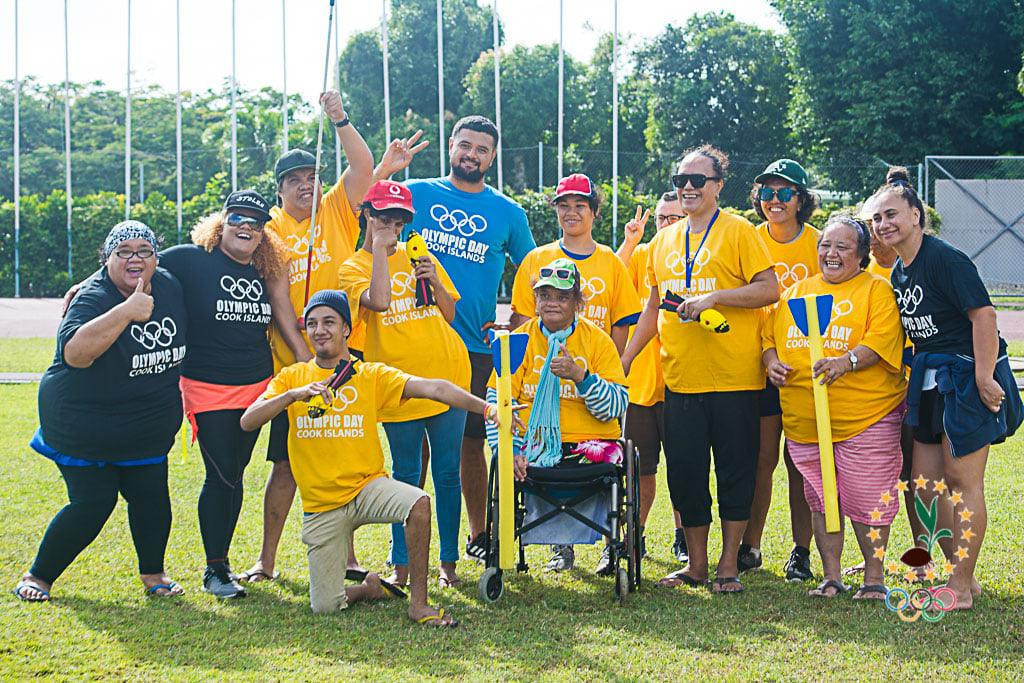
x=853 y=361
x=341 y=124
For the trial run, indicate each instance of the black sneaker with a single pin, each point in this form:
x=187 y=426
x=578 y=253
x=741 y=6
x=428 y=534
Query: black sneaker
x=679 y=550
x=604 y=565
x=217 y=581
x=748 y=558
x=563 y=558
x=476 y=548
x=798 y=567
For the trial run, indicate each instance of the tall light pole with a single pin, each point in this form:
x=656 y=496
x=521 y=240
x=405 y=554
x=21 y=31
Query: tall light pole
x=128 y=123
x=177 y=118
x=387 y=87
x=67 y=136
x=17 y=161
x=615 y=119
x=284 y=81
x=234 y=116
x=441 y=148
x=497 y=90
x=561 y=81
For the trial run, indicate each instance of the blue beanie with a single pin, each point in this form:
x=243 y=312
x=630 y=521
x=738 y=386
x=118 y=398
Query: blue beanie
x=332 y=298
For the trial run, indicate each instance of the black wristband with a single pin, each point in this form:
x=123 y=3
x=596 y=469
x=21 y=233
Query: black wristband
x=341 y=124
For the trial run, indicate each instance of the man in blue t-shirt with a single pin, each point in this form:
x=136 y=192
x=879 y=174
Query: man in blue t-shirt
x=471 y=228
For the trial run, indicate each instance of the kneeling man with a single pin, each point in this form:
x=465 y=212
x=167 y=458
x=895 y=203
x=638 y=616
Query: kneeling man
x=338 y=462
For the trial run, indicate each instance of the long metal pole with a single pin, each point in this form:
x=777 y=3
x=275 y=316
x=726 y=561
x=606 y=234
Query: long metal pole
x=561 y=81
x=234 y=116
x=128 y=124
x=17 y=161
x=284 y=82
x=387 y=87
x=615 y=120
x=497 y=91
x=337 y=84
x=177 y=121
x=67 y=136
x=540 y=166
x=441 y=147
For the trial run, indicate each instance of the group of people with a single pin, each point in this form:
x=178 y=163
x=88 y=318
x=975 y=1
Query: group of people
x=267 y=319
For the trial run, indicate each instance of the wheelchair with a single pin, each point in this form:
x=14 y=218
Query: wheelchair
x=558 y=492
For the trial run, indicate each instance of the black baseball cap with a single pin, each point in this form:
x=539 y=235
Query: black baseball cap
x=291 y=160
x=248 y=199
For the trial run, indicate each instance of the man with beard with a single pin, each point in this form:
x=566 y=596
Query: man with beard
x=471 y=229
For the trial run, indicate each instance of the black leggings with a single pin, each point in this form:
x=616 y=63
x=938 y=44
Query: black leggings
x=226 y=451
x=92 y=495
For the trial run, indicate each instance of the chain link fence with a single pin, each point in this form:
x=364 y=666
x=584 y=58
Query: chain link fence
x=981 y=201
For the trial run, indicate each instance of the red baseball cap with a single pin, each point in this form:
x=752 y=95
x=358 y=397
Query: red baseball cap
x=577 y=183
x=387 y=194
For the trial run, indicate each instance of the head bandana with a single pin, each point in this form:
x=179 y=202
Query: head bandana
x=127 y=230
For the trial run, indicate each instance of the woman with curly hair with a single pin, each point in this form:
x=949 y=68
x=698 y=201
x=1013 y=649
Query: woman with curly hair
x=224 y=274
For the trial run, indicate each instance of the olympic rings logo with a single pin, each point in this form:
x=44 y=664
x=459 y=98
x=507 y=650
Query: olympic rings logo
x=402 y=283
x=790 y=275
x=538 y=362
x=457 y=219
x=242 y=288
x=343 y=398
x=593 y=287
x=844 y=307
x=299 y=244
x=154 y=334
x=910 y=299
x=676 y=263
x=921 y=604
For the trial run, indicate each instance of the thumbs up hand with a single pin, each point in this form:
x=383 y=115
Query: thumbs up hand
x=139 y=306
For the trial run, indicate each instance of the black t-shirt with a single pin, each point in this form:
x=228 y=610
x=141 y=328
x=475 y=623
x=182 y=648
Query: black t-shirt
x=934 y=294
x=228 y=316
x=126 y=405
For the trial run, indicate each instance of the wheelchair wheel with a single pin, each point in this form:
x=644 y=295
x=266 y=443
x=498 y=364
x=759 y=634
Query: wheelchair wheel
x=632 y=531
x=491 y=586
x=621 y=585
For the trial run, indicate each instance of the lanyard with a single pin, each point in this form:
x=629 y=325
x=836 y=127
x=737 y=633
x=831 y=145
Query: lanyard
x=689 y=261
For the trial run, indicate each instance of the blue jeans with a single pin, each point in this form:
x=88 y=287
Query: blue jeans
x=444 y=432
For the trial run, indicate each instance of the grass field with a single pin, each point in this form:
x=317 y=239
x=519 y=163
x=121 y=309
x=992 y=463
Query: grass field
x=546 y=627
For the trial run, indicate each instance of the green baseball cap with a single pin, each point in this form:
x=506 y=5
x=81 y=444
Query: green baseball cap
x=787 y=169
x=560 y=274
x=291 y=160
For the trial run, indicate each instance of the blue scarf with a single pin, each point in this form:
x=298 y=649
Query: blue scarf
x=543 y=446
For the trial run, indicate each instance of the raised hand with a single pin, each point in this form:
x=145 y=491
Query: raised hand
x=333 y=106
x=139 y=306
x=399 y=155
x=634 y=231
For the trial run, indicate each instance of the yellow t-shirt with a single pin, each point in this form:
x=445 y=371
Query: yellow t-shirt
x=335 y=240
x=795 y=260
x=646 y=383
x=414 y=340
x=609 y=295
x=863 y=312
x=881 y=271
x=592 y=349
x=693 y=359
x=333 y=457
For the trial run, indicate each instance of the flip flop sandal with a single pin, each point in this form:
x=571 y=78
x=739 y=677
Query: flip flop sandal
x=683 y=578
x=439 y=618
x=722 y=581
x=393 y=590
x=862 y=592
x=854 y=570
x=28 y=583
x=819 y=592
x=247 y=577
x=169 y=587
x=445 y=582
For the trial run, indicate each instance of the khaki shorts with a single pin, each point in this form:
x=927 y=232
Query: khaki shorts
x=327 y=536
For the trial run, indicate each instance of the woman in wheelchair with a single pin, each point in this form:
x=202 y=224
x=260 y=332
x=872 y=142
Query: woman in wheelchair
x=571 y=381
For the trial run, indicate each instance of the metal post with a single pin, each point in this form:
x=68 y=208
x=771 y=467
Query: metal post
x=920 y=176
x=284 y=82
x=142 y=182
x=441 y=148
x=67 y=136
x=234 y=117
x=128 y=124
x=177 y=120
x=497 y=91
x=337 y=84
x=387 y=89
x=926 y=169
x=17 y=161
x=540 y=166
x=561 y=80
x=615 y=120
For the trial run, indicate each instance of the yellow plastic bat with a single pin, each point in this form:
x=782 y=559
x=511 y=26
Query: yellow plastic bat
x=823 y=420
x=714 y=321
x=416 y=246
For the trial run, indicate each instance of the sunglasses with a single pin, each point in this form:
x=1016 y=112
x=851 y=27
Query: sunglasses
x=559 y=273
x=125 y=254
x=696 y=180
x=766 y=194
x=236 y=220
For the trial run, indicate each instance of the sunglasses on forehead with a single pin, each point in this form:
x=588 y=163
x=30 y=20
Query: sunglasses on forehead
x=237 y=220
x=766 y=194
x=559 y=273
x=696 y=180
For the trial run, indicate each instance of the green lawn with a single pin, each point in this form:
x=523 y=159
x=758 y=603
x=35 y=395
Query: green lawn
x=26 y=355
x=546 y=627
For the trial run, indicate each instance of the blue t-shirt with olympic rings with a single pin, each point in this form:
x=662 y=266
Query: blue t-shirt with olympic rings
x=471 y=234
